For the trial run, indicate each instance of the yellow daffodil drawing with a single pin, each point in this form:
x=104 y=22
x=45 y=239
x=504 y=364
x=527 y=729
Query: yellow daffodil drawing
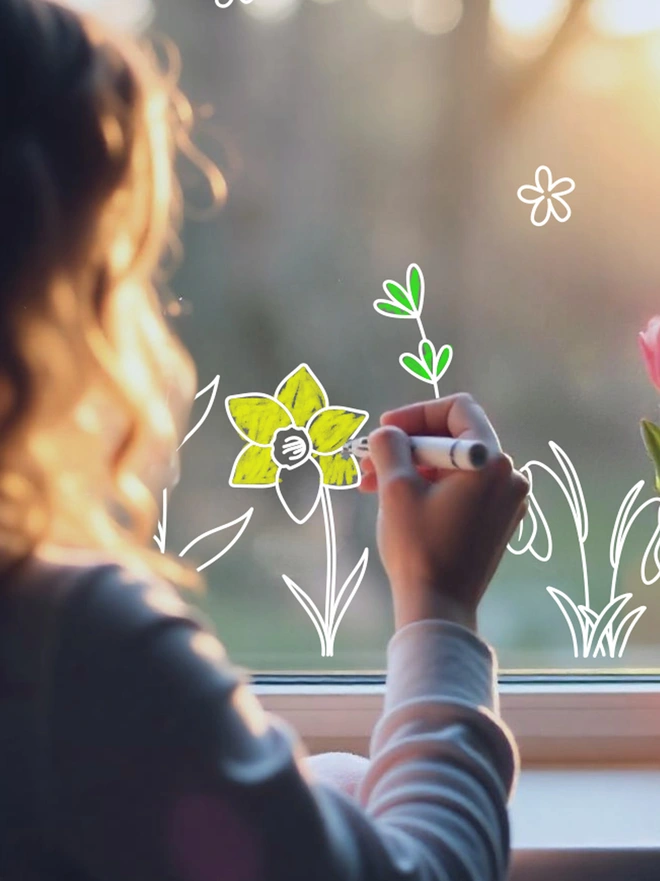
x=292 y=435
x=294 y=439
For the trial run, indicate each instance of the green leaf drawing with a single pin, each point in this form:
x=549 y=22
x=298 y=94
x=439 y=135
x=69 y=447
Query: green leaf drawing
x=396 y=292
x=415 y=366
x=416 y=285
x=443 y=360
x=651 y=438
x=386 y=307
x=427 y=354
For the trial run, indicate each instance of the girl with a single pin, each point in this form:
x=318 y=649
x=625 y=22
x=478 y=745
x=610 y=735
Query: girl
x=131 y=749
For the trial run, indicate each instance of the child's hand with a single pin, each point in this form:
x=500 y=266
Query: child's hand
x=441 y=534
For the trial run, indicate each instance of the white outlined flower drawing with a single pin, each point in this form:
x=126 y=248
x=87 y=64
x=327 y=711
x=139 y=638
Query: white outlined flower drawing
x=593 y=632
x=296 y=434
x=546 y=196
x=292 y=434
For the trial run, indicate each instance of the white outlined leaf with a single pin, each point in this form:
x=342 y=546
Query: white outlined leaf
x=426 y=351
x=634 y=617
x=399 y=295
x=536 y=517
x=654 y=543
x=356 y=575
x=579 y=506
x=605 y=621
x=416 y=286
x=533 y=503
x=530 y=518
x=241 y=522
x=212 y=387
x=392 y=310
x=310 y=607
x=565 y=604
x=443 y=359
x=618 y=530
x=589 y=614
x=412 y=364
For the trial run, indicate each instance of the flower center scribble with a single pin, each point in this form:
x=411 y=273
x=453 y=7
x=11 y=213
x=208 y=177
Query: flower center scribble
x=291 y=447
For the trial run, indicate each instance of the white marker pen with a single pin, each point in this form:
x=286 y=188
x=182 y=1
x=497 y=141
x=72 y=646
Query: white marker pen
x=434 y=452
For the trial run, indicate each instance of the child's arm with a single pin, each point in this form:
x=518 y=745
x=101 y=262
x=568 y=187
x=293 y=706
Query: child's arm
x=162 y=764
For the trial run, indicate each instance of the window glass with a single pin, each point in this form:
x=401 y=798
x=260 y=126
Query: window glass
x=360 y=138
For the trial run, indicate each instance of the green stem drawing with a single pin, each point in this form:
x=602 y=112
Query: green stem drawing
x=430 y=364
x=425 y=340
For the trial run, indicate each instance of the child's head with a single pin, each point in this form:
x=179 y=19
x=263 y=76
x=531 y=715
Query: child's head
x=93 y=386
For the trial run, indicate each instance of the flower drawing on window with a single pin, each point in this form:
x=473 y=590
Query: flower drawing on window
x=594 y=631
x=225 y=4
x=546 y=197
x=293 y=436
x=294 y=441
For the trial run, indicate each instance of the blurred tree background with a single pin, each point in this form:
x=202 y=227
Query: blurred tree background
x=357 y=137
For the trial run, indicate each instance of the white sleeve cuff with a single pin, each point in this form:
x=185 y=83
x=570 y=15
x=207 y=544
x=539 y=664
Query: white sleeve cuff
x=440 y=659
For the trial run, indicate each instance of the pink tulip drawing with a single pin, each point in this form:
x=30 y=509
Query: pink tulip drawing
x=649 y=343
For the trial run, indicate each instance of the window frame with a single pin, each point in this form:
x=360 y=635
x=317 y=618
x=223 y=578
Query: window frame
x=556 y=720
x=596 y=722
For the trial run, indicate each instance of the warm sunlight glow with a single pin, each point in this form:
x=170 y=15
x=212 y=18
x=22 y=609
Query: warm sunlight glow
x=625 y=18
x=528 y=18
x=395 y=10
x=595 y=69
x=652 y=55
x=436 y=16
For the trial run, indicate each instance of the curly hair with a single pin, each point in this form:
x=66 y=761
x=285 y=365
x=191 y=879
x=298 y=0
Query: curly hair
x=90 y=373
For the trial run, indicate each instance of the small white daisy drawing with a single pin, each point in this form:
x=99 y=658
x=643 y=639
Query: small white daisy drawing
x=546 y=196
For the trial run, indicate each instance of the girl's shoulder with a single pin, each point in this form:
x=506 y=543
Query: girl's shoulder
x=92 y=589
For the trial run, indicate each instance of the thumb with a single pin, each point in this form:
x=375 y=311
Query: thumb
x=391 y=454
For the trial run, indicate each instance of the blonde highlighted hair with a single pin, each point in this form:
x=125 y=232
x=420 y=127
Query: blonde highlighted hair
x=89 y=132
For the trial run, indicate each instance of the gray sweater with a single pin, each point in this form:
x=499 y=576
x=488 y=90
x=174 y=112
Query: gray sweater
x=131 y=749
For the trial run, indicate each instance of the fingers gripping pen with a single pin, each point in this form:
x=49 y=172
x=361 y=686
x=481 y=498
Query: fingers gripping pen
x=434 y=452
